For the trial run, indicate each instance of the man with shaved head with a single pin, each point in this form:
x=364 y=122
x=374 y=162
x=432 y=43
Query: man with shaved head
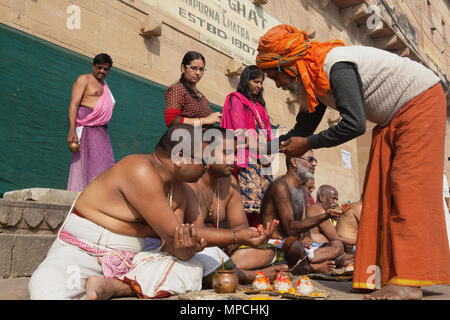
x=327 y=198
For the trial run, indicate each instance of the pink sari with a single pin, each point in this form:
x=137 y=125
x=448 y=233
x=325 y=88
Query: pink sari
x=244 y=114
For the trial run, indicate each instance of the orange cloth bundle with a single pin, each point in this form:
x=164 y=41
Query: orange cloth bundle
x=285 y=47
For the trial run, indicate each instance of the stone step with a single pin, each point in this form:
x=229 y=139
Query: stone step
x=18 y=216
x=17 y=289
x=44 y=195
x=22 y=253
x=27 y=230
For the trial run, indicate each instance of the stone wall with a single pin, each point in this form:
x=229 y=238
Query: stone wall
x=27 y=230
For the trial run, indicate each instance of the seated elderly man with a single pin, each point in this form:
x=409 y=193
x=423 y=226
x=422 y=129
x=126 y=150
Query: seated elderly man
x=327 y=197
x=347 y=226
x=99 y=249
x=285 y=200
x=216 y=201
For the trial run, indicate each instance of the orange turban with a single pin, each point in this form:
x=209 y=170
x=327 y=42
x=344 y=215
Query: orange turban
x=285 y=47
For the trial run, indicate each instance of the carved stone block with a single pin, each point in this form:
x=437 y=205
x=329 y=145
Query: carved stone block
x=33 y=217
x=54 y=218
x=152 y=26
x=234 y=68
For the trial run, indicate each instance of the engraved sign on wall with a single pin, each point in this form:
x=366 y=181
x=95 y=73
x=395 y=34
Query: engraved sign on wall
x=230 y=26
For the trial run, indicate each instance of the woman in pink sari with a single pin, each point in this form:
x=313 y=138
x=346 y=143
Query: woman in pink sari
x=245 y=109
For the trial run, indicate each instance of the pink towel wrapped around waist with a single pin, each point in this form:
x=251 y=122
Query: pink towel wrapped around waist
x=102 y=112
x=114 y=263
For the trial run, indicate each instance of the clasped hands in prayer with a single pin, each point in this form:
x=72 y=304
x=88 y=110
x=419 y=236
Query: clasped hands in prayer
x=186 y=242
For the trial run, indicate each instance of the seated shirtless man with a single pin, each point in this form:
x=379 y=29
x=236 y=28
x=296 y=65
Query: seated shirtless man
x=216 y=202
x=99 y=249
x=285 y=200
x=327 y=198
x=347 y=226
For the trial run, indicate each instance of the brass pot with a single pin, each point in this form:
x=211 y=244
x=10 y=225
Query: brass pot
x=225 y=281
x=74 y=146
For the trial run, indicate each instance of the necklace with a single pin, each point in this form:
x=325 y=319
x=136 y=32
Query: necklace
x=210 y=207
x=197 y=93
x=170 y=194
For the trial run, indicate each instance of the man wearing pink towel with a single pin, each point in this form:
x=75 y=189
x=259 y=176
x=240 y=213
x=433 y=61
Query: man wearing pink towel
x=91 y=108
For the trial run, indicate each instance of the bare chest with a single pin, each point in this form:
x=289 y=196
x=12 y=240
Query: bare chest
x=214 y=215
x=94 y=89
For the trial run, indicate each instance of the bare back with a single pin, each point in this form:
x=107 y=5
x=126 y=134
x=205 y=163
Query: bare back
x=130 y=198
x=348 y=223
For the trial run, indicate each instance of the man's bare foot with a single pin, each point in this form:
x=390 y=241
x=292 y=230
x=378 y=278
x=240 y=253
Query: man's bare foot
x=325 y=267
x=96 y=288
x=396 y=292
x=99 y=288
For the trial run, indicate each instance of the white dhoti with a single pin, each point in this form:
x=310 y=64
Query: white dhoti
x=158 y=274
x=211 y=258
x=64 y=272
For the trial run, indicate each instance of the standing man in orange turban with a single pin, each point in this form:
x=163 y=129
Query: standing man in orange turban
x=402 y=242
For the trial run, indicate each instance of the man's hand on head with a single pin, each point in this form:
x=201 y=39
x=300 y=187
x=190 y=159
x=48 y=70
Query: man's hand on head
x=295 y=146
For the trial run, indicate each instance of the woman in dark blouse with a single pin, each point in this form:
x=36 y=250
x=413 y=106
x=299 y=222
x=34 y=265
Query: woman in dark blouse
x=184 y=103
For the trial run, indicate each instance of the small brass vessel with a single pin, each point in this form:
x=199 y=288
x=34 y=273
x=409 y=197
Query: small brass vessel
x=74 y=146
x=225 y=281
